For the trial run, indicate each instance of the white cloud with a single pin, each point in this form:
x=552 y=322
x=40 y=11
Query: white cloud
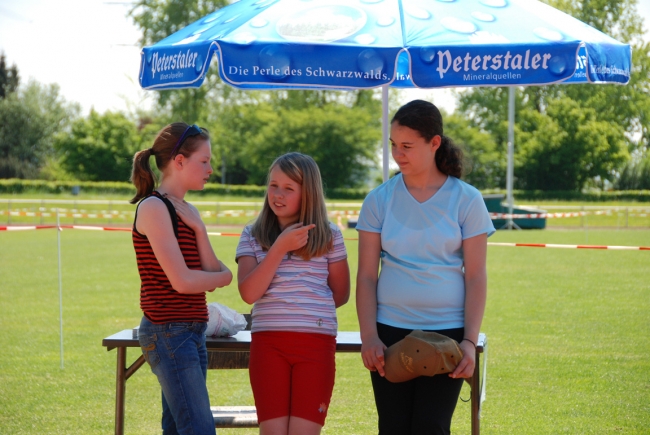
x=88 y=47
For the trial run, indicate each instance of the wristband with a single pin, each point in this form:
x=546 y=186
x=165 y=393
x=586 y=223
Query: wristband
x=467 y=339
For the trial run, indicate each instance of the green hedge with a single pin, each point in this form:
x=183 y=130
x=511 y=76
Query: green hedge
x=17 y=186
x=342 y=193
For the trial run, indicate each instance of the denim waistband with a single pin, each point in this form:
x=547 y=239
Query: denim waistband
x=146 y=324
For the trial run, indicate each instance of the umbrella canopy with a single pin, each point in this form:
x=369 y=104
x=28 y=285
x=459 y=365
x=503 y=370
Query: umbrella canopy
x=342 y=44
x=363 y=44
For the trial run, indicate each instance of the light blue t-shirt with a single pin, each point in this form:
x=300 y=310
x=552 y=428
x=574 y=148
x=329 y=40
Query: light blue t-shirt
x=421 y=283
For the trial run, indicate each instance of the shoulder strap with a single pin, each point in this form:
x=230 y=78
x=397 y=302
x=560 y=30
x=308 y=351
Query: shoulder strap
x=172 y=212
x=170 y=208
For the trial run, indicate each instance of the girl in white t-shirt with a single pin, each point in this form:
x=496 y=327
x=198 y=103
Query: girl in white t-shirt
x=292 y=265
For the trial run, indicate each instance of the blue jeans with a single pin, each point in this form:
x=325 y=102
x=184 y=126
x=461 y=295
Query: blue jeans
x=177 y=355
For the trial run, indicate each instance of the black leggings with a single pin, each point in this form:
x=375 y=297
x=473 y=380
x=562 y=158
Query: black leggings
x=424 y=405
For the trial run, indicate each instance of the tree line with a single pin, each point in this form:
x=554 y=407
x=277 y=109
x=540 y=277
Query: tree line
x=567 y=137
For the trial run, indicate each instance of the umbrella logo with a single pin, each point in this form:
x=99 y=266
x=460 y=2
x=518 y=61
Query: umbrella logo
x=180 y=60
x=494 y=62
x=321 y=24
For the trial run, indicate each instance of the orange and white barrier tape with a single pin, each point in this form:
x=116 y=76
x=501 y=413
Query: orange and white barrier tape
x=82 y=214
x=552 y=245
x=230 y=213
x=26 y=227
x=567 y=215
x=225 y=234
x=526 y=245
x=61 y=227
x=93 y=228
x=128 y=214
x=339 y=223
x=71 y=214
x=346 y=213
x=564 y=215
x=249 y=213
x=537 y=215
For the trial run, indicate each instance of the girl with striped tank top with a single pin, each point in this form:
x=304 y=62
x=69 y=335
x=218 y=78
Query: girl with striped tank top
x=177 y=267
x=292 y=265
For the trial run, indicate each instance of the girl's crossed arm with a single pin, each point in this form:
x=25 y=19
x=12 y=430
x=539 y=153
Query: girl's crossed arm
x=154 y=222
x=192 y=218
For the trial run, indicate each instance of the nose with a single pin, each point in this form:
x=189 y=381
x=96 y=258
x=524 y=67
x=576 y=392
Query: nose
x=210 y=170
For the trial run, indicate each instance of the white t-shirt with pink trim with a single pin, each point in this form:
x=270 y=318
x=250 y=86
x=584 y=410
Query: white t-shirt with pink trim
x=299 y=298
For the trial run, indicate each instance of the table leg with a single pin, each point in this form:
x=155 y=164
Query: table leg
x=476 y=397
x=120 y=390
x=122 y=374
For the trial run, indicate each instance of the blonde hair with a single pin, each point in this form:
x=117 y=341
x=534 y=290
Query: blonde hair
x=169 y=142
x=303 y=170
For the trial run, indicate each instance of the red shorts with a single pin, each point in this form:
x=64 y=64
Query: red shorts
x=292 y=374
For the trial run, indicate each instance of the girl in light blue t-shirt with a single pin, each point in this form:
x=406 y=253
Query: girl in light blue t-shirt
x=429 y=230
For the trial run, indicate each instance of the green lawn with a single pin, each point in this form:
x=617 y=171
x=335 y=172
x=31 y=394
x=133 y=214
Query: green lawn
x=568 y=334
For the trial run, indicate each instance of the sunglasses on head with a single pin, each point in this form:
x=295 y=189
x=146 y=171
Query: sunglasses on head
x=190 y=131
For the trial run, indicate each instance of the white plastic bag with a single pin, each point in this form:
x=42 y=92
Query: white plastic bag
x=224 y=321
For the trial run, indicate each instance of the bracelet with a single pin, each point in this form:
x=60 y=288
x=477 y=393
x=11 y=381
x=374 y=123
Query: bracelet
x=467 y=339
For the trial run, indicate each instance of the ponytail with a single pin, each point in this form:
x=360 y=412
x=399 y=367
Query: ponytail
x=449 y=158
x=142 y=176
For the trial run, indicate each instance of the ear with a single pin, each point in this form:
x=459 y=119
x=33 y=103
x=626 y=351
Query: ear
x=178 y=161
x=435 y=142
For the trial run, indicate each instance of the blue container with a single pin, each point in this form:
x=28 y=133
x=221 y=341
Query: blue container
x=494 y=204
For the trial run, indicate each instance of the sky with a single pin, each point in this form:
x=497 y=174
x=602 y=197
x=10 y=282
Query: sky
x=90 y=49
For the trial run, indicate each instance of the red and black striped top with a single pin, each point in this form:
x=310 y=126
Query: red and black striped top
x=159 y=302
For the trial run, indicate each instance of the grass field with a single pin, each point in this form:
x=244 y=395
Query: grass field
x=568 y=334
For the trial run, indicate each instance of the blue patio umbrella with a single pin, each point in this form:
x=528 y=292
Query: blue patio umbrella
x=365 y=44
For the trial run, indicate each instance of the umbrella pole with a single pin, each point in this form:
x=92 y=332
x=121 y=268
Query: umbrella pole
x=511 y=157
x=384 y=130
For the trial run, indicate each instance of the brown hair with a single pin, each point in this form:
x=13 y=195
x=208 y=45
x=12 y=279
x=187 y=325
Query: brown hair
x=303 y=170
x=165 y=146
x=425 y=118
